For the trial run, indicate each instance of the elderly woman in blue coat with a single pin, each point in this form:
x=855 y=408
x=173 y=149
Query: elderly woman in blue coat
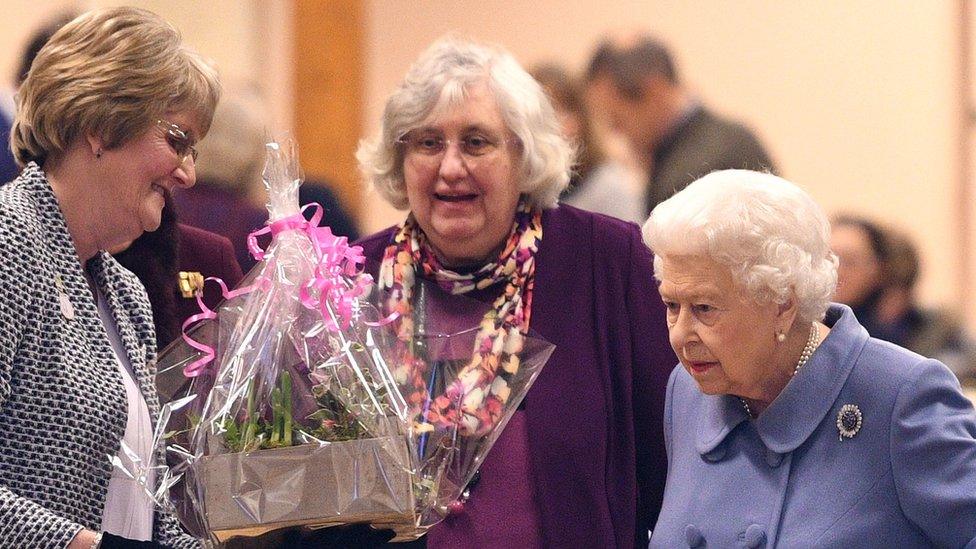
x=785 y=423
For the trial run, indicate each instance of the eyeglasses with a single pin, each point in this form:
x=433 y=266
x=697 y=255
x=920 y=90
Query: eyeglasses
x=179 y=140
x=432 y=146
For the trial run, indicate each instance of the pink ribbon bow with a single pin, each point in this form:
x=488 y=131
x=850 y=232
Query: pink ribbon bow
x=337 y=281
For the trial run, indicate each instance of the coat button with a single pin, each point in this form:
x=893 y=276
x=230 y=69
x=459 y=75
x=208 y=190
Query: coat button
x=694 y=536
x=773 y=459
x=755 y=536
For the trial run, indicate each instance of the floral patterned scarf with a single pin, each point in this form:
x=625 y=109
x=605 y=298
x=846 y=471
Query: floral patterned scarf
x=475 y=401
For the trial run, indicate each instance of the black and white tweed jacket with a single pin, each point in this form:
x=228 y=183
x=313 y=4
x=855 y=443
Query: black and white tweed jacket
x=62 y=401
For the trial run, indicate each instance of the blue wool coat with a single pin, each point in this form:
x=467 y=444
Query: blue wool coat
x=907 y=478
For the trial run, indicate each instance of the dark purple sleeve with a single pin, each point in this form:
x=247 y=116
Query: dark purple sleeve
x=653 y=360
x=225 y=267
x=631 y=315
x=220 y=261
x=229 y=268
x=374 y=246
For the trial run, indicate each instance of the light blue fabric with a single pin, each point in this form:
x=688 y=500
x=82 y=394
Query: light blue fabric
x=906 y=479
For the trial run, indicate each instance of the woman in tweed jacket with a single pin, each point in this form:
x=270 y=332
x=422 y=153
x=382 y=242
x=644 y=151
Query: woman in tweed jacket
x=106 y=123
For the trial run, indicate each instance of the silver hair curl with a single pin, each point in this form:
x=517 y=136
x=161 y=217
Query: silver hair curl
x=770 y=233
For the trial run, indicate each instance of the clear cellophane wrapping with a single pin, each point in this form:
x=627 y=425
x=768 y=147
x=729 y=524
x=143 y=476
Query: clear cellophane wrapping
x=305 y=414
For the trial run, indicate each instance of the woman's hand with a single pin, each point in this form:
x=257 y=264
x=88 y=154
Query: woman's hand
x=348 y=535
x=83 y=539
x=359 y=536
x=111 y=541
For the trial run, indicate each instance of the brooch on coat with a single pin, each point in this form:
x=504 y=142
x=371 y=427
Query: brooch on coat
x=190 y=282
x=849 y=421
x=64 y=302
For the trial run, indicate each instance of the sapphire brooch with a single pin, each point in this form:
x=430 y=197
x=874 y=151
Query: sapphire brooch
x=849 y=421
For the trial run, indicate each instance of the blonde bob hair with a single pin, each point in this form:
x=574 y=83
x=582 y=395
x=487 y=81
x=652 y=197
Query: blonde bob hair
x=109 y=73
x=441 y=78
x=770 y=233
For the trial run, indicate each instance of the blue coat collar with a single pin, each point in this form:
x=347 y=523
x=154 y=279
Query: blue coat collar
x=793 y=416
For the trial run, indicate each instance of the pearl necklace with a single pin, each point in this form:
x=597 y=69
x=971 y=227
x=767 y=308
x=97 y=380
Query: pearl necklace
x=812 y=343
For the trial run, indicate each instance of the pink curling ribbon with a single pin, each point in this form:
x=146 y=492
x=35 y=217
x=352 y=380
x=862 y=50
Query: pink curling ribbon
x=198 y=366
x=336 y=260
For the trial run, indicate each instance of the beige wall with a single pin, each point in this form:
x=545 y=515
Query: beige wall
x=249 y=40
x=854 y=99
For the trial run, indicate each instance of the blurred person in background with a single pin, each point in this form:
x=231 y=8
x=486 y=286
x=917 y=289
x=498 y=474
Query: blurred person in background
x=8 y=165
x=877 y=277
x=598 y=183
x=932 y=332
x=229 y=196
x=228 y=168
x=172 y=263
x=471 y=146
x=106 y=124
x=337 y=216
x=633 y=80
x=862 y=248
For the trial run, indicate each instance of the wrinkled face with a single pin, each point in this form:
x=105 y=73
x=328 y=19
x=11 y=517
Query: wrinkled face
x=139 y=175
x=460 y=175
x=859 y=270
x=637 y=120
x=724 y=339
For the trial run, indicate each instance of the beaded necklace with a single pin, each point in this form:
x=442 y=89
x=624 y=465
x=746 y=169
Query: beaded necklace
x=812 y=343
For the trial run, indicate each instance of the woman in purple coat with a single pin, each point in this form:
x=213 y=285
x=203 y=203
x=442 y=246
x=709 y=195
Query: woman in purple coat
x=471 y=147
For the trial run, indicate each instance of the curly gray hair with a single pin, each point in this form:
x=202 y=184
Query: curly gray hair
x=769 y=232
x=441 y=77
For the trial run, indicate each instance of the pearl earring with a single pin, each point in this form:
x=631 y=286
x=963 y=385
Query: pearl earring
x=781 y=337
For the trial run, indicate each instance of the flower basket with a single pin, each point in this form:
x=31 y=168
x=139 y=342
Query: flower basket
x=249 y=494
x=299 y=402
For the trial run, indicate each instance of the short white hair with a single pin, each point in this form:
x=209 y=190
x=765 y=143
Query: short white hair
x=770 y=233
x=442 y=77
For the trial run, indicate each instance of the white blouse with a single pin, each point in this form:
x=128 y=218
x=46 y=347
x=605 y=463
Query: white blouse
x=128 y=509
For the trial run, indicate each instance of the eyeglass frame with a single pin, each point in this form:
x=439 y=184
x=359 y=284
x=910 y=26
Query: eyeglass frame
x=408 y=144
x=183 y=139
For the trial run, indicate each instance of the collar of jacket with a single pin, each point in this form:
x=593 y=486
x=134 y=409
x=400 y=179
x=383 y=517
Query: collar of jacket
x=794 y=415
x=108 y=275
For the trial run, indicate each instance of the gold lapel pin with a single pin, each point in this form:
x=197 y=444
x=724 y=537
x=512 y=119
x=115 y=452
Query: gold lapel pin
x=190 y=282
x=64 y=302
